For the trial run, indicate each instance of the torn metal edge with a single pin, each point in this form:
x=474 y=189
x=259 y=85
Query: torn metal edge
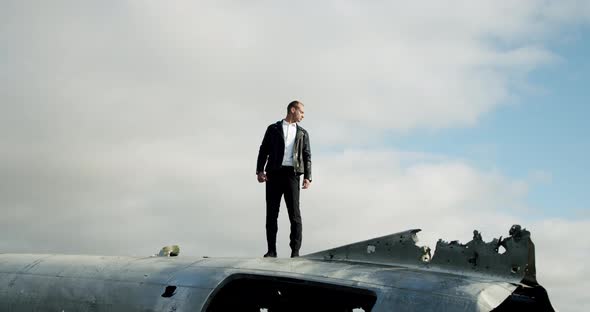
x=516 y=264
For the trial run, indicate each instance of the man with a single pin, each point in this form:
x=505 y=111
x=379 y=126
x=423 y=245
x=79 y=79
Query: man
x=286 y=152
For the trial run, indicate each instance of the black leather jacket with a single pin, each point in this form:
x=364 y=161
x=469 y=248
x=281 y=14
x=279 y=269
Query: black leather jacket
x=272 y=150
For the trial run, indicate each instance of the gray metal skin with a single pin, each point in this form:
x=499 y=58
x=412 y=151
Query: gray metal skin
x=400 y=275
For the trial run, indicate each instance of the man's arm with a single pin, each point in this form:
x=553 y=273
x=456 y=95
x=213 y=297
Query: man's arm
x=263 y=156
x=306 y=158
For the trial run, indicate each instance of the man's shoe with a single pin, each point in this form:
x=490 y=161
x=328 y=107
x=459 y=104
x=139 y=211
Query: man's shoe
x=294 y=254
x=270 y=254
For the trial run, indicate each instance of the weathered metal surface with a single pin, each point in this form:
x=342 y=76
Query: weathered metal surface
x=474 y=258
x=85 y=283
x=398 y=248
x=395 y=270
x=399 y=287
x=516 y=264
x=88 y=283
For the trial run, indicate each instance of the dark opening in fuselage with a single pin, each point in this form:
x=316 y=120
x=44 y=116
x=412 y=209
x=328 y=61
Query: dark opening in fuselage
x=245 y=292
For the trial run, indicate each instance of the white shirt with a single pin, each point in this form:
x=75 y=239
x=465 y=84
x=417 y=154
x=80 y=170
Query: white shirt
x=289 y=132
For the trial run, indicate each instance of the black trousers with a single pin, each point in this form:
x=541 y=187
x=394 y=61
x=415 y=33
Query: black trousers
x=278 y=183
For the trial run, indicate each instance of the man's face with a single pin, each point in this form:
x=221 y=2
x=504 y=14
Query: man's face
x=299 y=113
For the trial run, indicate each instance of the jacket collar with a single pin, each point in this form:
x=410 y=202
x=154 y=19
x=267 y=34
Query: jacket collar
x=280 y=125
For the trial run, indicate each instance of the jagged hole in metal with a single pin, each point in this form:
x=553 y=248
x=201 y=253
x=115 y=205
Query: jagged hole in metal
x=169 y=291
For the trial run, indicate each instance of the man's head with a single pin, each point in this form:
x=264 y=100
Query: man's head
x=295 y=111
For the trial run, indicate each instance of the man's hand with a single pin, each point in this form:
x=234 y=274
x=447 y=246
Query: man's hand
x=261 y=176
x=306 y=184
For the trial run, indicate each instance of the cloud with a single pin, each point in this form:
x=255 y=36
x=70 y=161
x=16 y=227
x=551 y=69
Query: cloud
x=120 y=203
x=136 y=124
x=562 y=248
x=376 y=66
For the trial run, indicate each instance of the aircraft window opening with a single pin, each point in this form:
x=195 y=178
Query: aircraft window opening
x=246 y=292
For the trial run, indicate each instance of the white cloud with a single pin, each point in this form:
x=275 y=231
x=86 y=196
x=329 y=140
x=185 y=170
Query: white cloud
x=378 y=65
x=122 y=203
x=136 y=124
x=562 y=248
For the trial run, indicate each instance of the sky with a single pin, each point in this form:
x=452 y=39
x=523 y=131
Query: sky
x=129 y=125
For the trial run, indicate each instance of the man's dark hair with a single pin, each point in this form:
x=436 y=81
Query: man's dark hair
x=293 y=104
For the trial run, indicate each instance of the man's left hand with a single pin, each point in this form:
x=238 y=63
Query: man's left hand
x=306 y=184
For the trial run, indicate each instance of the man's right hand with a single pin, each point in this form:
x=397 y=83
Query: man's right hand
x=261 y=177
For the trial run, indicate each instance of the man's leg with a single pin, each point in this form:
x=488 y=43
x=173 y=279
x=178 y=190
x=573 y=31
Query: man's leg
x=274 y=191
x=292 y=201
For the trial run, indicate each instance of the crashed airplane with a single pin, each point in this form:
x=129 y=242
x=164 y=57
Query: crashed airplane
x=388 y=273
